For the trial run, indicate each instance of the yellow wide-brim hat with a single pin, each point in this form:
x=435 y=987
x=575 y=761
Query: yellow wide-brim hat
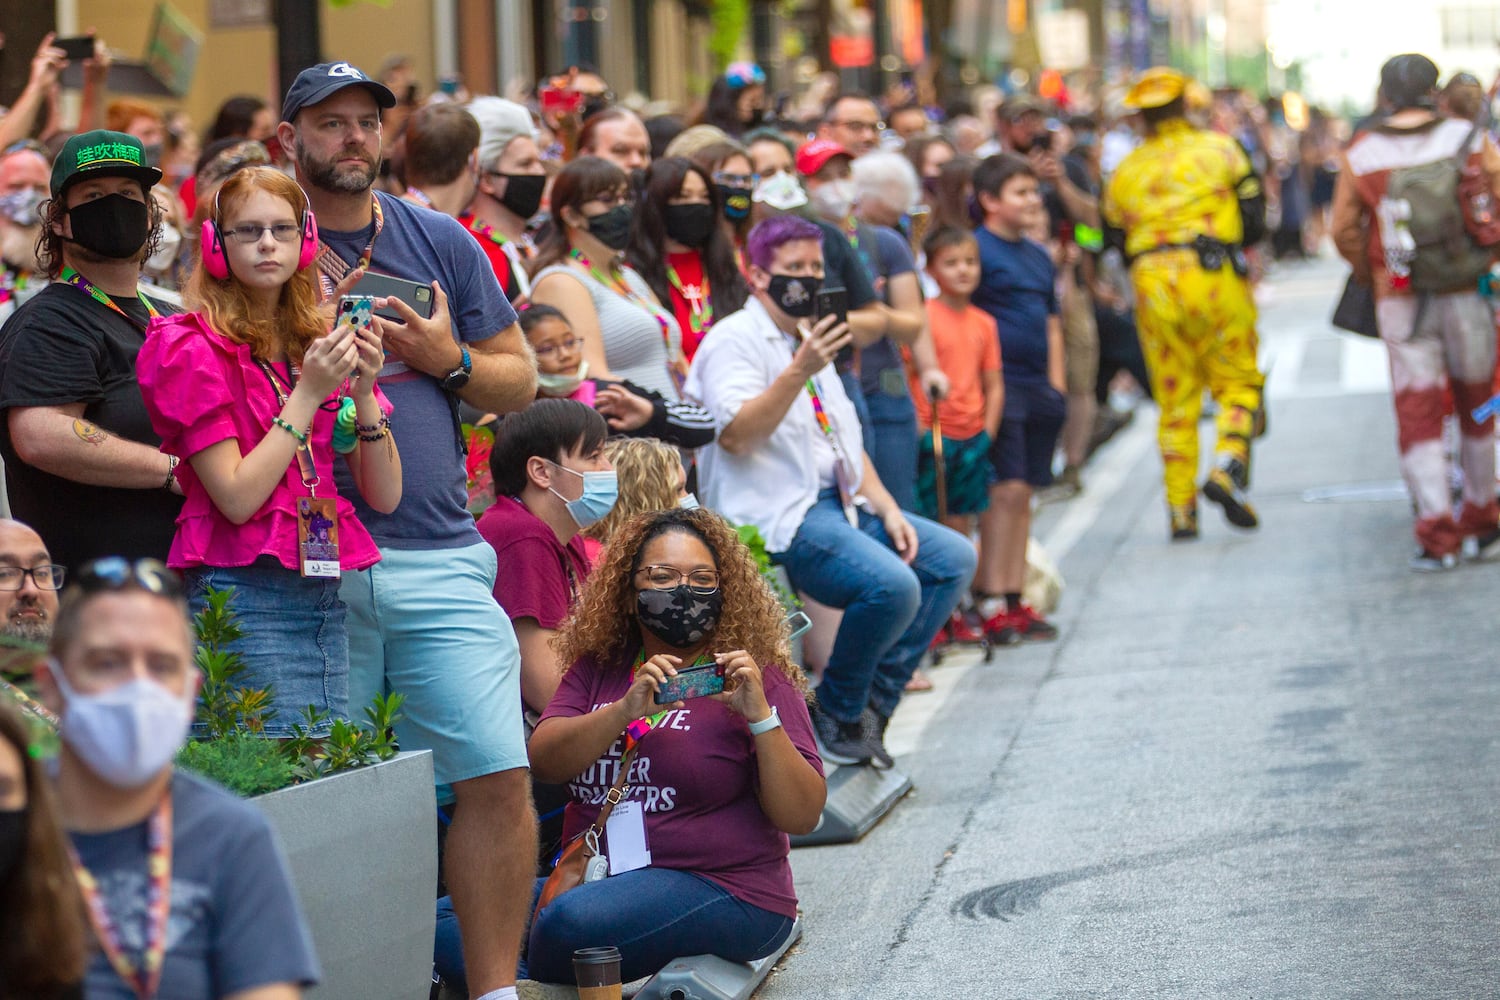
x=1157 y=86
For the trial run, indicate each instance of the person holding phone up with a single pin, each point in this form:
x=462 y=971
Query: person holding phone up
x=713 y=784
x=790 y=460
x=257 y=397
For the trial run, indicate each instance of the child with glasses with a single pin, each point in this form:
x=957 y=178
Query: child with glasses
x=628 y=408
x=256 y=396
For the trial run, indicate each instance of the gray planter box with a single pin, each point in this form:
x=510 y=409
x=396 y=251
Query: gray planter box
x=363 y=851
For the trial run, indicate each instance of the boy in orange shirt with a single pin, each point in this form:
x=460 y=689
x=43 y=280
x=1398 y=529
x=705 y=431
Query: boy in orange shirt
x=968 y=351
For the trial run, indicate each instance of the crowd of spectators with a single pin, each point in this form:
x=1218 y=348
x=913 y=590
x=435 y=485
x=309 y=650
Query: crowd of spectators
x=865 y=332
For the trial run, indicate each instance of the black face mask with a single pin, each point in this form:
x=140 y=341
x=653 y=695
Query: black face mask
x=113 y=226
x=523 y=193
x=679 y=617
x=612 y=228
x=795 y=295
x=736 y=201
x=12 y=839
x=691 y=225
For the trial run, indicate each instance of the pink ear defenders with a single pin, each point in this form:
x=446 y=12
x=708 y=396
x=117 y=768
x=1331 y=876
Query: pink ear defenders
x=216 y=263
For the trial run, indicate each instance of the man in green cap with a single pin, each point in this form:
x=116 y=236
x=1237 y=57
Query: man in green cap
x=82 y=463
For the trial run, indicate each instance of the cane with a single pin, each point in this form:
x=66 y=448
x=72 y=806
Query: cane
x=937 y=459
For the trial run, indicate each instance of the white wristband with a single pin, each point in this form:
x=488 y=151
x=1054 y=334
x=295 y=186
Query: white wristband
x=770 y=722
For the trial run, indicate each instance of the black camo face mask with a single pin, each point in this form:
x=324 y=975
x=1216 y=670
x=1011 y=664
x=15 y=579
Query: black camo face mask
x=679 y=617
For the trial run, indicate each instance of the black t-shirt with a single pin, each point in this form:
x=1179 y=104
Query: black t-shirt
x=1058 y=216
x=63 y=347
x=841 y=268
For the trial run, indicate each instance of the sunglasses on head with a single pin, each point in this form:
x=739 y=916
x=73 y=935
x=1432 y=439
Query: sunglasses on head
x=118 y=573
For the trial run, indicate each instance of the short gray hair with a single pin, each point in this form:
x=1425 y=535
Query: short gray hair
x=888 y=178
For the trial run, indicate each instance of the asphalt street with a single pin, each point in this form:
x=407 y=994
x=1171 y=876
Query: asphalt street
x=1259 y=765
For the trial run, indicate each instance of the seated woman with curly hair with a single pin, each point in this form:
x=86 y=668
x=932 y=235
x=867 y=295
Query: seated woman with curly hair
x=719 y=780
x=651 y=477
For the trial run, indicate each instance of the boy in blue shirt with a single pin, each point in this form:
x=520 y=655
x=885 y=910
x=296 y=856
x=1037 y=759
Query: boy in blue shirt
x=1017 y=287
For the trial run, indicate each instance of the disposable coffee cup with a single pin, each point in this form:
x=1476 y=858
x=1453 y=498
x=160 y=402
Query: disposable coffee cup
x=597 y=971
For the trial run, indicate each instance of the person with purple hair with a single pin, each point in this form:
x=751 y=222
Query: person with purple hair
x=790 y=460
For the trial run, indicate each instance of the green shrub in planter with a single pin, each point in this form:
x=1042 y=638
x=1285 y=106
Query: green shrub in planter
x=234 y=752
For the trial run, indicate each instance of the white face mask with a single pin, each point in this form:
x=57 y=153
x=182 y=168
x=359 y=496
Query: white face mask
x=166 y=251
x=125 y=735
x=561 y=385
x=689 y=502
x=834 y=200
x=780 y=191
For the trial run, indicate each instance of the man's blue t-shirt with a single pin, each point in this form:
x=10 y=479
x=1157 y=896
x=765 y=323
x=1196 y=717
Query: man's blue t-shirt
x=419 y=244
x=1017 y=287
x=234 y=923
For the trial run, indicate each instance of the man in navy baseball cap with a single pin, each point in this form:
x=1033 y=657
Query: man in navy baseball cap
x=317 y=83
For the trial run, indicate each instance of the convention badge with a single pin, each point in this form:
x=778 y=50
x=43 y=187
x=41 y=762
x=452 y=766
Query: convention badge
x=318 y=537
x=625 y=834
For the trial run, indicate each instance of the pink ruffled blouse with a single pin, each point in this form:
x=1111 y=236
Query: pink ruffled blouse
x=201 y=388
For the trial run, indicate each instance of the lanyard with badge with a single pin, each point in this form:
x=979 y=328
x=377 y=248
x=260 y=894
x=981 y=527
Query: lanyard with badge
x=332 y=268
x=843 y=466
x=317 y=517
x=144 y=978
x=93 y=291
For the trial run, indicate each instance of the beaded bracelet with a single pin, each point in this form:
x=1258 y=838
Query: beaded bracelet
x=383 y=432
x=376 y=428
x=301 y=436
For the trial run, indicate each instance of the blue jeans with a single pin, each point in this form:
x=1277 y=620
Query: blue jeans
x=653 y=915
x=891 y=440
x=891 y=610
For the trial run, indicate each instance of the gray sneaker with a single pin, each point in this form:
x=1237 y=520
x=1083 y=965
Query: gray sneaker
x=839 y=742
x=872 y=730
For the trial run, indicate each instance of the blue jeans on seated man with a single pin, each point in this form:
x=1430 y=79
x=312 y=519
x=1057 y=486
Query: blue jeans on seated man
x=891 y=610
x=653 y=915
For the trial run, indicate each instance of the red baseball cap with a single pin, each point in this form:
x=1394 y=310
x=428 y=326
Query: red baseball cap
x=813 y=156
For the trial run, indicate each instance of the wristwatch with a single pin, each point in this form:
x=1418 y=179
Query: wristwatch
x=770 y=722
x=459 y=377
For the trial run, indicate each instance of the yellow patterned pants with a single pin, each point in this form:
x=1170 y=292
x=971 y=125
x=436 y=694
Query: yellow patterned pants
x=1197 y=331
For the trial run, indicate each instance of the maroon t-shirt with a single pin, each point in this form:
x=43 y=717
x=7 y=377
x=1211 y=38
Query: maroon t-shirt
x=695 y=775
x=538 y=575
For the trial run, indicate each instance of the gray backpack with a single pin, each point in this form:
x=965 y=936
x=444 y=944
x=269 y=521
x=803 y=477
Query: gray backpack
x=1446 y=257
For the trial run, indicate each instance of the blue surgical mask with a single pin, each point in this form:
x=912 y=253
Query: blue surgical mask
x=689 y=502
x=600 y=491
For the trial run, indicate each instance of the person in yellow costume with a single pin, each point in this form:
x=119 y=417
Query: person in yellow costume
x=1181 y=207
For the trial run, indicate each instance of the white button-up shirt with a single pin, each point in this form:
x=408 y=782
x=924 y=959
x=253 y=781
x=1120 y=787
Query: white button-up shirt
x=775 y=484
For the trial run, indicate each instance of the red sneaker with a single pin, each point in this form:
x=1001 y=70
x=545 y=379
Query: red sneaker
x=1001 y=629
x=1032 y=626
x=964 y=628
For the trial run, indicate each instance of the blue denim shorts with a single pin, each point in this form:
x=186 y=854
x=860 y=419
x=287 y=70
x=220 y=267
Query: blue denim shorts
x=425 y=624
x=294 y=642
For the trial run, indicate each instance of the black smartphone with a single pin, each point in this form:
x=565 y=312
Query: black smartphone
x=76 y=47
x=413 y=293
x=835 y=302
x=701 y=679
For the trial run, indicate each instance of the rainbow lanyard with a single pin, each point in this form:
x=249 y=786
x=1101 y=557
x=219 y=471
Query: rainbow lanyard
x=638 y=728
x=332 y=268
x=86 y=286
x=615 y=281
x=517 y=251
x=843 y=467
x=146 y=977
x=700 y=306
